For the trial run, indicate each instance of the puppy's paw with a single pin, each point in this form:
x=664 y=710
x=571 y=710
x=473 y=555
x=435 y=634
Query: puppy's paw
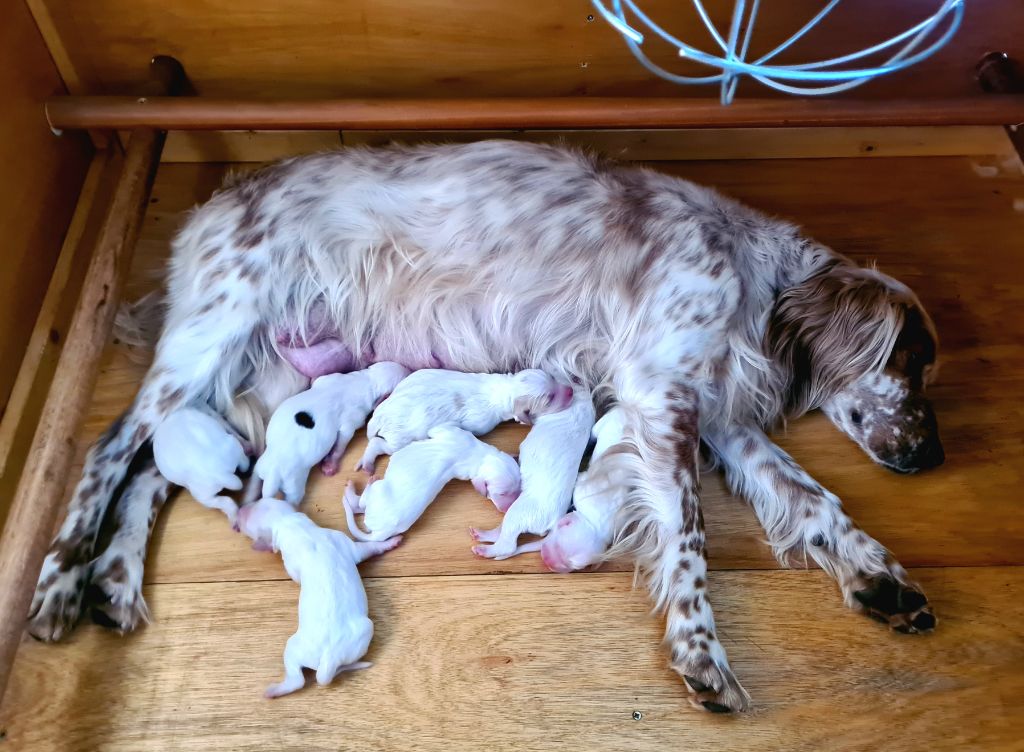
x=484 y=536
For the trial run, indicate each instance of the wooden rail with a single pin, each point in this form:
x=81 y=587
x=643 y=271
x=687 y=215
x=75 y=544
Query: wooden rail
x=196 y=113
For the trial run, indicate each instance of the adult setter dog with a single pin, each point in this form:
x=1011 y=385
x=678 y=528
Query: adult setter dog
x=702 y=319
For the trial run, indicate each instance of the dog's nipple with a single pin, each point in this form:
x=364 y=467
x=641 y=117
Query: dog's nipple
x=304 y=419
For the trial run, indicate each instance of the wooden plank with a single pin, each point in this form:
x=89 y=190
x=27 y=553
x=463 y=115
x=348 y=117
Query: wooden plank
x=245 y=146
x=726 y=143
x=40 y=361
x=439 y=48
x=38 y=186
x=953 y=239
x=34 y=509
x=536 y=663
x=735 y=143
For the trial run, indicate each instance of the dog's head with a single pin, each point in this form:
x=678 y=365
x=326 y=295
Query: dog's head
x=858 y=344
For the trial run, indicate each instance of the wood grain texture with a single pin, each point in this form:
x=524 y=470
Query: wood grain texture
x=40 y=176
x=536 y=663
x=660 y=145
x=441 y=48
x=18 y=424
x=212 y=114
x=38 y=498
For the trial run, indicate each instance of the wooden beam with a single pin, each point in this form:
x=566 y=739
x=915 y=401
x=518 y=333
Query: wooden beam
x=637 y=144
x=34 y=509
x=196 y=113
x=17 y=426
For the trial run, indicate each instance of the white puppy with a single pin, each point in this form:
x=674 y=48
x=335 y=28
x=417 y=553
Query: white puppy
x=418 y=472
x=549 y=461
x=581 y=537
x=334 y=629
x=476 y=402
x=197 y=449
x=318 y=423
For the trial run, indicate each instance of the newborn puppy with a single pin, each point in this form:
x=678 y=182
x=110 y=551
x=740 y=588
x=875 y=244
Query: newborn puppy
x=581 y=537
x=318 y=423
x=418 y=472
x=334 y=629
x=549 y=461
x=197 y=449
x=476 y=402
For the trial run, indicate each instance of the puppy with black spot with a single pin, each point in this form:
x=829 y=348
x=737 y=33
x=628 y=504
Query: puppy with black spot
x=334 y=626
x=317 y=425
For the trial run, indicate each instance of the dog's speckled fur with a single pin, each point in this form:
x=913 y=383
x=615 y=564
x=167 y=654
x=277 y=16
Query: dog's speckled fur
x=704 y=318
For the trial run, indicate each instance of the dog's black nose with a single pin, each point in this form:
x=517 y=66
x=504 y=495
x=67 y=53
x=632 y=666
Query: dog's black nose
x=930 y=454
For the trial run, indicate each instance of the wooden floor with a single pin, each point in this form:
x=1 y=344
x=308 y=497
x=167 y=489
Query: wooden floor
x=467 y=659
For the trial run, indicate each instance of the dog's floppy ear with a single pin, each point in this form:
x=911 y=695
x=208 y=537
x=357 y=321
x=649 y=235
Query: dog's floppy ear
x=829 y=330
x=913 y=355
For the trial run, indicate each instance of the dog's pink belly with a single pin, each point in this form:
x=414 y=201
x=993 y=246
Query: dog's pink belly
x=326 y=354
x=319 y=359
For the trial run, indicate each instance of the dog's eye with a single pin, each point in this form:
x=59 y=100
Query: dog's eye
x=856 y=417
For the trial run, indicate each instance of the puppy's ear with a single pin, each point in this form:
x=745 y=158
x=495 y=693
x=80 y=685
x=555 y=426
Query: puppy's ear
x=829 y=330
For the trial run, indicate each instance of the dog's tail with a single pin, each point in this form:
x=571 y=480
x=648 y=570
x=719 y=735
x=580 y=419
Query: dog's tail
x=137 y=325
x=354 y=530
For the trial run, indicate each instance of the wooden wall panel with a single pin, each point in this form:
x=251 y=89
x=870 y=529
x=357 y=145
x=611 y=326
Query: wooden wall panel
x=478 y=48
x=40 y=176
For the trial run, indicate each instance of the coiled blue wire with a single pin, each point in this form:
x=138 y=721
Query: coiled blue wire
x=733 y=65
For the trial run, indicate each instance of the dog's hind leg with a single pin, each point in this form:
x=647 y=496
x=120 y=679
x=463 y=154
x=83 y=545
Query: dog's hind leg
x=114 y=594
x=201 y=342
x=662 y=526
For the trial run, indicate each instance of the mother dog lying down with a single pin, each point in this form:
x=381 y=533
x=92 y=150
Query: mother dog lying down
x=704 y=320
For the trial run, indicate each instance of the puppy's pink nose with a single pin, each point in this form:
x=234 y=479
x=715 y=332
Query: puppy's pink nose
x=552 y=559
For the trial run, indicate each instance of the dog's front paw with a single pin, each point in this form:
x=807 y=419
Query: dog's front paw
x=114 y=595
x=712 y=686
x=57 y=603
x=900 y=605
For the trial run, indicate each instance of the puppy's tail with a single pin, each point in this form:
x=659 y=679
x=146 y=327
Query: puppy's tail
x=354 y=530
